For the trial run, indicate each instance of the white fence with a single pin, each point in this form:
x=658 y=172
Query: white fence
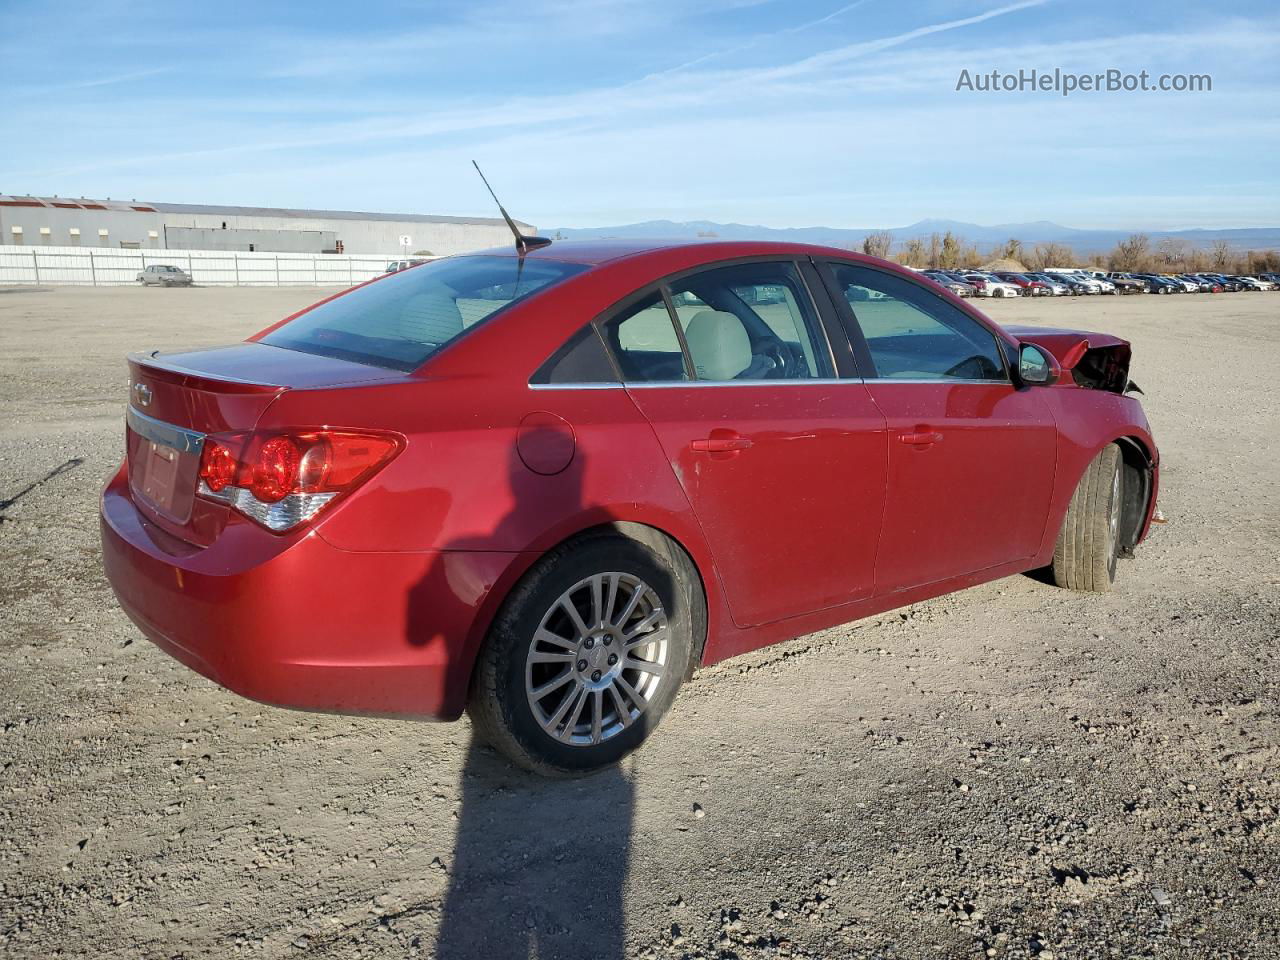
x=98 y=267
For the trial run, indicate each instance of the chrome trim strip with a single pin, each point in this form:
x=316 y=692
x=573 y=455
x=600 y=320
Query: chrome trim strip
x=165 y=434
x=608 y=385
x=944 y=381
x=808 y=382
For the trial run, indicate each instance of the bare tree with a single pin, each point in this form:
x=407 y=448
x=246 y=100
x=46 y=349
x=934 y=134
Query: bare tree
x=1012 y=250
x=1172 y=251
x=913 y=253
x=949 y=258
x=878 y=244
x=1260 y=261
x=935 y=251
x=1051 y=255
x=1220 y=254
x=1132 y=254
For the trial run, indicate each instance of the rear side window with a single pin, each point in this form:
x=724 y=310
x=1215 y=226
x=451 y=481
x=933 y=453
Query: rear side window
x=581 y=360
x=913 y=334
x=403 y=318
x=645 y=343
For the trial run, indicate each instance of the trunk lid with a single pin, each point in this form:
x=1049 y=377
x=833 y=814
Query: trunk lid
x=177 y=399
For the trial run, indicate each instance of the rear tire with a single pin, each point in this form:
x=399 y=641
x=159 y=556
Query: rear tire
x=546 y=692
x=1088 y=547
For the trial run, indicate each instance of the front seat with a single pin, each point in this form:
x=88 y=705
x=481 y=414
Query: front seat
x=430 y=318
x=718 y=344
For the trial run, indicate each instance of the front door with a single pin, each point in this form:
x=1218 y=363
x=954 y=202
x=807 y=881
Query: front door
x=971 y=456
x=783 y=464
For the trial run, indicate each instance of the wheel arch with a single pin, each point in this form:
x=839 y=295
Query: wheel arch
x=1138 y=457
x=658 y=538
x=1138 y=462
x=644 y=532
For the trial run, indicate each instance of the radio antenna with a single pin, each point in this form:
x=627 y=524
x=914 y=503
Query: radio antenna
x=523 y=244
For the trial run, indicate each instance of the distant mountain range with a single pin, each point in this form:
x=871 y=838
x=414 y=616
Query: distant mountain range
x=1039 y=231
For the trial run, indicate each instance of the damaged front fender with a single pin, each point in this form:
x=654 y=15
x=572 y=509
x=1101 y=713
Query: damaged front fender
x=1095 y=361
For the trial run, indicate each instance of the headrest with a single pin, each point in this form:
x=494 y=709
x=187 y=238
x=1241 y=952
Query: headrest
x=718 y=344
x=430 y=318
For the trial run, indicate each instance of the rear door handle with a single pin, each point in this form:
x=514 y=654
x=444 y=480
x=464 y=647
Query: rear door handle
x=727 y=443
x=921 y=439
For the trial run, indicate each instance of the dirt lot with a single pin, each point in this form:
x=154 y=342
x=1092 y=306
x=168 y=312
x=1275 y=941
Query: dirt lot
x=1012 y=771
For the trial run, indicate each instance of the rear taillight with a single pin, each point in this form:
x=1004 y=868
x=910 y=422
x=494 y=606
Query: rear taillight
x=281 y=480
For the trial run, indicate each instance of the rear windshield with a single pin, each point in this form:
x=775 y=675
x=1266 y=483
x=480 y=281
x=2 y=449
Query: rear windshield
x=405 y=317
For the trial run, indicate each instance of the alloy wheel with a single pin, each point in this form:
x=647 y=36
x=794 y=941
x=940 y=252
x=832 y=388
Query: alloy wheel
x=597 y=659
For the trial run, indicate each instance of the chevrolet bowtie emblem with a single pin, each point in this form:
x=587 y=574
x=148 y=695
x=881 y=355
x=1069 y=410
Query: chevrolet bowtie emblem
x=142 y=394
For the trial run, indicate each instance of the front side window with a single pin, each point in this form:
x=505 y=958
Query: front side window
x=746 y=322
x=750 y=321
x=403 y=318
x=913 y=334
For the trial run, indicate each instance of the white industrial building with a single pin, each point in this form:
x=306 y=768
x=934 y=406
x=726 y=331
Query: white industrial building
x=132 y=225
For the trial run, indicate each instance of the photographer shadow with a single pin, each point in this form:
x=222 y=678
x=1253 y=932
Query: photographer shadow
x=539 y=865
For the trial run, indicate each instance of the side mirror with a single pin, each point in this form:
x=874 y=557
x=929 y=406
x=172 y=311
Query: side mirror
x=1036 y=365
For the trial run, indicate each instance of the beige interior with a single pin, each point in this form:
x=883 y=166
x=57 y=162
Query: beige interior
x=718 y=345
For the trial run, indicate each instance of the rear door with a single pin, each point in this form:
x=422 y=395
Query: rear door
x=783 y=463
x=971 y=456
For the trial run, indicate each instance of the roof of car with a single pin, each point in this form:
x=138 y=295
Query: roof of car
x=595 y=252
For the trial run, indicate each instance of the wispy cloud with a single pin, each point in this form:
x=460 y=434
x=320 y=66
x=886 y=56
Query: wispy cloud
x=840 y=55
x=638 y=106
x=755 y=41
x=91 y=83
x=842 y=112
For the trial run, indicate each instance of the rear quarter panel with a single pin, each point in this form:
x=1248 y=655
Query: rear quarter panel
x=461 y=489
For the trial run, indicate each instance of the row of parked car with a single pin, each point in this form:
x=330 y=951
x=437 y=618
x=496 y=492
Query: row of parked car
x=1061 y=282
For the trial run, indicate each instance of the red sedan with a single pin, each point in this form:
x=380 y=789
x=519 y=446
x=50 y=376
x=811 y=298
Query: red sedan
x=546 y=486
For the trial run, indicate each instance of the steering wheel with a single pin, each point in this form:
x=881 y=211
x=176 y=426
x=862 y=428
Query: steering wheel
x=776 y=351
x=976 y=367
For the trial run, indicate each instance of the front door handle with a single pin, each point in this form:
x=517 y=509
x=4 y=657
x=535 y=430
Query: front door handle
x=921 y=439
x=721 y=442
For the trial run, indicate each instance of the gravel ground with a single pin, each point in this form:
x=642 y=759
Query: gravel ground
x=1011 y=771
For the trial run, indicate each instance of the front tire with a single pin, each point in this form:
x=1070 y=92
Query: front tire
x=1088 y=547
x=587 y=653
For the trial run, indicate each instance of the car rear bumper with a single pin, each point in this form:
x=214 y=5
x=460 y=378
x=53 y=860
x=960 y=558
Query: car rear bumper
x=297 y=622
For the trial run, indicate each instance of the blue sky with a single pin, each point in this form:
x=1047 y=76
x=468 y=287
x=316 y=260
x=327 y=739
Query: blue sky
x=595 y=112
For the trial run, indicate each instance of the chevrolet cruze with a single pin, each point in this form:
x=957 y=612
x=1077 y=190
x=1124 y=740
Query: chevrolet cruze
x=545 y=484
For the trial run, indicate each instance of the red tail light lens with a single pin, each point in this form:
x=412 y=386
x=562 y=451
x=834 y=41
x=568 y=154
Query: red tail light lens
x=284 y=479
x=334 y=460
x=217 y=466
x=275 y=470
